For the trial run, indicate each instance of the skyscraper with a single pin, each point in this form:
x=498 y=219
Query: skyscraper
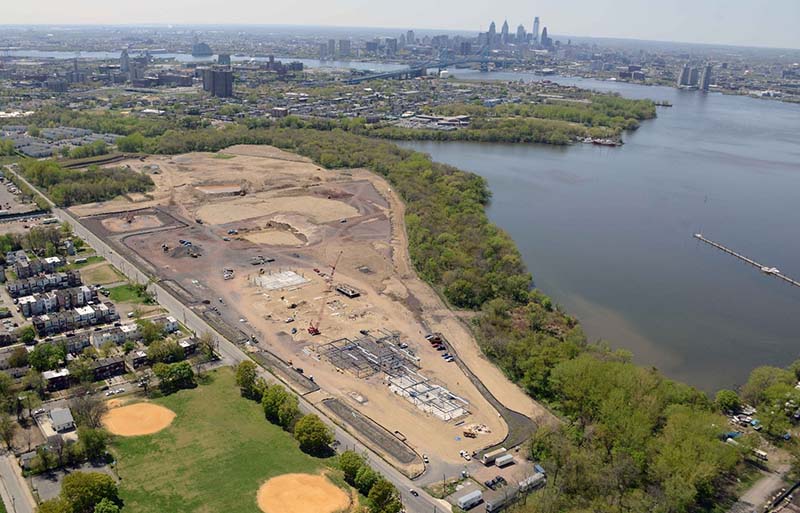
x=705 y=81
x=694 y=77
x=410 y=38
x=332 y=48
x=491 y=36
x=535 y=34
x=683 y=78
x=521 y=35
x=545 y=41
x=124 y=61
x=344 y=48
x=504 y=33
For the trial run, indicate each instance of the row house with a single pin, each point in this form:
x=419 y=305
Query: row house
x=138 y=358
x=168 y=324
x=12 y=257
x=56 y=379
x=189 y=346
x=38 y=304
x=28 y=268
x=116 y=334
x=104 y=368
x=44 y=283
x=59 y=322
x=73 y=342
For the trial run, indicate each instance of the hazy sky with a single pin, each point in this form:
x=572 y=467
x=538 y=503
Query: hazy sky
x=738 y=22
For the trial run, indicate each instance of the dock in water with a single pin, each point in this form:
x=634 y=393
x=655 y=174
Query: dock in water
x=771 y=271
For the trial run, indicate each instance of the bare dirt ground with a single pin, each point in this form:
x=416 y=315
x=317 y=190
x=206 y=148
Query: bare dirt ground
x=351 y=220
x=301 y=493
x=135 y=222
x=137 y=419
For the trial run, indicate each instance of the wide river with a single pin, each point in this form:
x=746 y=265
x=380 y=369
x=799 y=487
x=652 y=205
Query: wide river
x=607 y=232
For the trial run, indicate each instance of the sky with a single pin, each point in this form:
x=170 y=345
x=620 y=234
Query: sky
x=771 y=23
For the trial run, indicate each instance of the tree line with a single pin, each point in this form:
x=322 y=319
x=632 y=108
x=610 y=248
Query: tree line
x=67 y=187
x=281 y=408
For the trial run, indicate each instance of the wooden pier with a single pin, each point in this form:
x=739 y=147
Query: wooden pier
x=771 y=271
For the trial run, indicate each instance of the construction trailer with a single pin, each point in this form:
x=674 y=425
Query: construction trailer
x=504 y=460
x=470 y=500
x=490 y=457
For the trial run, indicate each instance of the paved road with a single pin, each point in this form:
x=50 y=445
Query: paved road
x=232 y=355
x=16 y=494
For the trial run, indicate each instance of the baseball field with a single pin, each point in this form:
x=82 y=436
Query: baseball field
x=214 y=456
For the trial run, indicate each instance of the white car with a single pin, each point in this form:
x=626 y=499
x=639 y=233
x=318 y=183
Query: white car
x=120 y=390
x=110 y=393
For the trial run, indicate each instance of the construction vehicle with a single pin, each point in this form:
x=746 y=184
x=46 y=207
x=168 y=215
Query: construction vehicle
x=333 y=271
x=470 y=433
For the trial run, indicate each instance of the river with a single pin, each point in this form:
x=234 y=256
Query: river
x=607 y=232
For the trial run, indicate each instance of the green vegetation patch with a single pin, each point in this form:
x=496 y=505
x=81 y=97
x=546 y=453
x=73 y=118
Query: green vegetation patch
x=67 y=187
x=89 y=260
x=214 y=456
x=127 y=294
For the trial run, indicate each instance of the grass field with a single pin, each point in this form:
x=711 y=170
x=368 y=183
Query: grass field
x=125 y=294
x=89 y=260
x=214 y=456
x=101 y=275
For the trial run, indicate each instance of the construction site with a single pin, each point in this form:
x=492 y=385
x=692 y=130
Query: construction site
x=307 y=268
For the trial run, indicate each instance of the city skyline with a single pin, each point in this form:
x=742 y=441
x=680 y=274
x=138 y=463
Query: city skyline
x=736 y=23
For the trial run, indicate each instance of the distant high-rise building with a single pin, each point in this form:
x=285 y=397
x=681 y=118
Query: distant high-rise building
x=372 y=46
x=465 y=48
x=124 y=61
x=535 y=34
x=705 y=81
x=694 y=77
x=504 y=33
x=323 y=51
x=683 y=78
x=391 y=45
x=545 y=41
x=344 y=48
x=224 y=59
x=332 y=48
x=218 y=82
x=410 y=37
x=200 y=49
x=491 y=35
x=521 y=35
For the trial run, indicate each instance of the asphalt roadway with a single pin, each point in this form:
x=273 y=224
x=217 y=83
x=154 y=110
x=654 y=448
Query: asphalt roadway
x=232 y=355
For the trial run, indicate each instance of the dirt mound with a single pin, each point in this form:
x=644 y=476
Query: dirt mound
x=301 y=493
x=137 y=419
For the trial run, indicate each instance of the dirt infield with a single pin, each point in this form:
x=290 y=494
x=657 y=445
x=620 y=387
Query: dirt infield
x=137 y=419
x=301 y=493
x=274 y=238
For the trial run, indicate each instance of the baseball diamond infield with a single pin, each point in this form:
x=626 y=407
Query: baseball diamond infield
x=137 y=419
x=301 y=493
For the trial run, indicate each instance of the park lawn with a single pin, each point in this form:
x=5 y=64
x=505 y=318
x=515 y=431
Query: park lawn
x=101 y=275
x=213 y=458
x=125 y=294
